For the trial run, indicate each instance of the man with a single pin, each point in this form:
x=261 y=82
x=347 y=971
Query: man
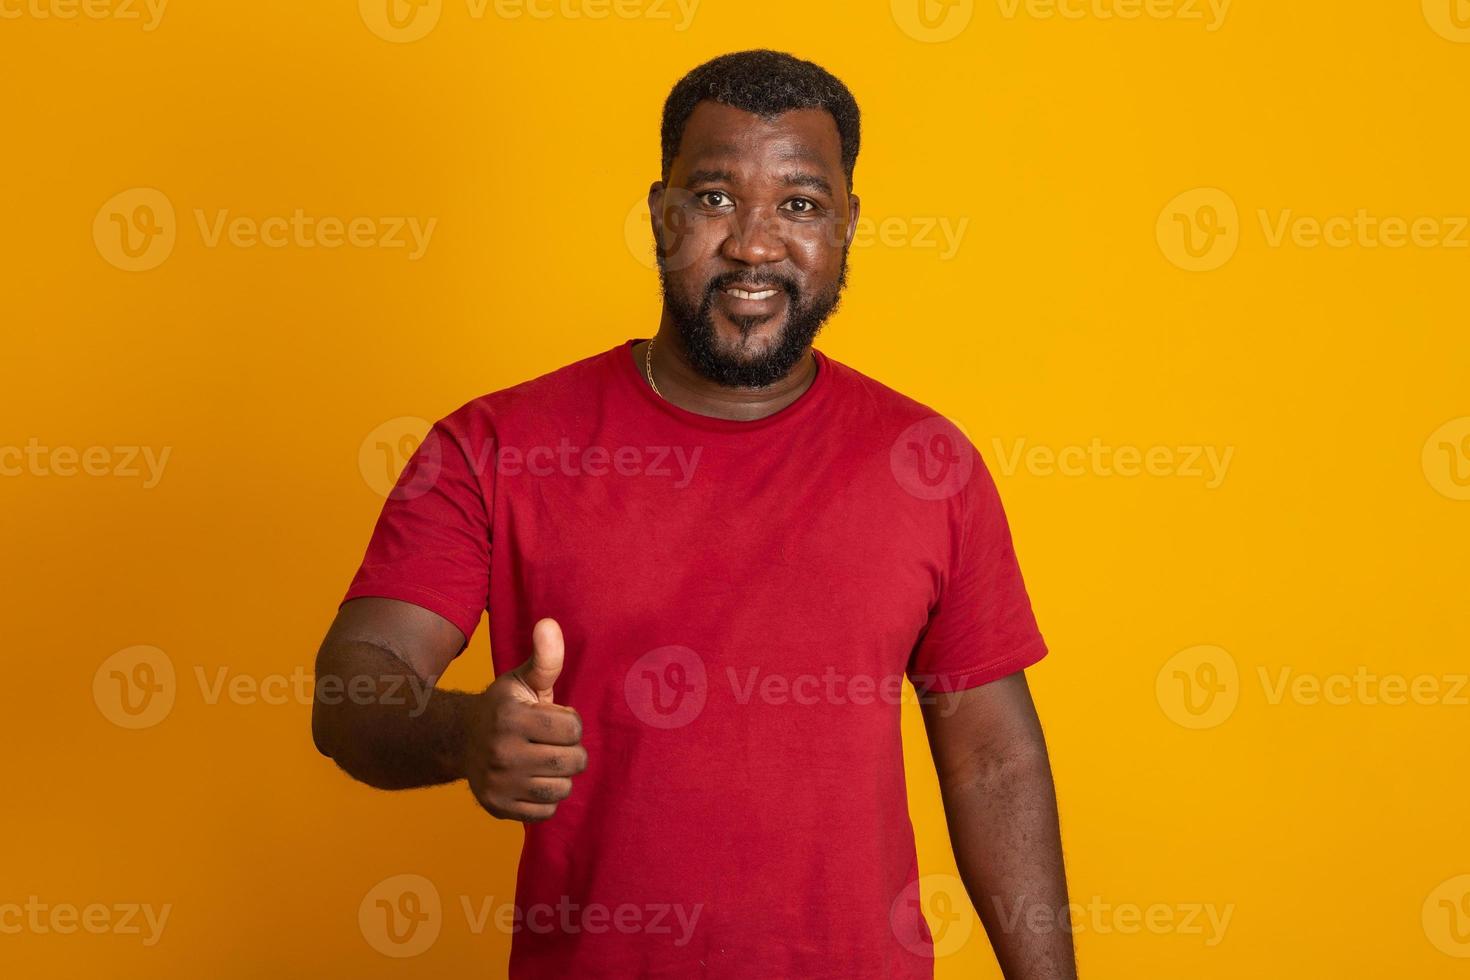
x=709 y=559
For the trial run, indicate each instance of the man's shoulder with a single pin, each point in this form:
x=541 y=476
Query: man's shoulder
x=540 y=397
x=866 y=393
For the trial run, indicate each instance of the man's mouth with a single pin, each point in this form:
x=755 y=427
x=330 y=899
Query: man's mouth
x=747 y=301
x=747 y=294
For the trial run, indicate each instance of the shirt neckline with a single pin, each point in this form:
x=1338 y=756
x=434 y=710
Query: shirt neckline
x=798 y=409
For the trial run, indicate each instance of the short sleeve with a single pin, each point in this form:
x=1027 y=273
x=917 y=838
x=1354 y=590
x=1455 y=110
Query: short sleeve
x=431 y=544
x=982 y=628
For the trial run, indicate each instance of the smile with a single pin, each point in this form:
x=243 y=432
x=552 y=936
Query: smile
x=747 y=294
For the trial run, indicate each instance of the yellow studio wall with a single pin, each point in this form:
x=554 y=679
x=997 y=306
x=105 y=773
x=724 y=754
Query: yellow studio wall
x=1192 y=276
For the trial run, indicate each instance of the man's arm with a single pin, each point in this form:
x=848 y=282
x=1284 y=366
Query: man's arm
x=1000 y=804
x=379 y=716
x=373 y=714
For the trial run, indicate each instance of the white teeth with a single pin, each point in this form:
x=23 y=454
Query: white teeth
x=742 y=294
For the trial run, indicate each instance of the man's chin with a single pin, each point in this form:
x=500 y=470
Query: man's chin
x=743 y=340
x=743 y=349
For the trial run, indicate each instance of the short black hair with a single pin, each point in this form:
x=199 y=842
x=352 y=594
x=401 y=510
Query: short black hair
x=766 y=83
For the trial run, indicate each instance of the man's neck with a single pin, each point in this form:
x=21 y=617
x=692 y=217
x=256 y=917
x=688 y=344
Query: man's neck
x=685 y=387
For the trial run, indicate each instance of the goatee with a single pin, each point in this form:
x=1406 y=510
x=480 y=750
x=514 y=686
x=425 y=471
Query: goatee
x=696 y=327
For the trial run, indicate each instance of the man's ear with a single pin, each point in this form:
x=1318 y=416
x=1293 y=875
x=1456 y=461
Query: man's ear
x=655 y=211
x=854 y=204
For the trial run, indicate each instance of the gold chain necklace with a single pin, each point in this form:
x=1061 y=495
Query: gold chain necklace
x=648 y=367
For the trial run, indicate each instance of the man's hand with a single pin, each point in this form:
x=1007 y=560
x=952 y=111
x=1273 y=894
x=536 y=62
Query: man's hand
x=516 y=747
x=523 y=748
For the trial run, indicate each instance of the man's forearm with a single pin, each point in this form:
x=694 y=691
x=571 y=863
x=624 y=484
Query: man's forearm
x=1002 y=817
x=382 y=723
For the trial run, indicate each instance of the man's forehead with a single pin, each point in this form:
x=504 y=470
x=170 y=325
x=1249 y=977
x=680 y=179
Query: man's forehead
x=716 y=131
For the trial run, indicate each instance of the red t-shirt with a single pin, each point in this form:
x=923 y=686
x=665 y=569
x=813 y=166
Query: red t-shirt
x=741 y=601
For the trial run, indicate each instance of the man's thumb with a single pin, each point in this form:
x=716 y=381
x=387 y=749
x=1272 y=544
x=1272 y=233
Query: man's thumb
x=548 y=650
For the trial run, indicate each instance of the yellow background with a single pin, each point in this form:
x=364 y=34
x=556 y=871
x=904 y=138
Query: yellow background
x=1336 y=542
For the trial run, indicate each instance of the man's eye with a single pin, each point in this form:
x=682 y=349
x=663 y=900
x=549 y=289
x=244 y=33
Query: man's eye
x=708 y=196
x=806 y=206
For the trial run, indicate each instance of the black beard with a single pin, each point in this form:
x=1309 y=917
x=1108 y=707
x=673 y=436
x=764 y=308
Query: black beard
x=696 y=327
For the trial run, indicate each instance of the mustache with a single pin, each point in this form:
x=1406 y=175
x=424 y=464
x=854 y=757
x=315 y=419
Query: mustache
x=751 y=283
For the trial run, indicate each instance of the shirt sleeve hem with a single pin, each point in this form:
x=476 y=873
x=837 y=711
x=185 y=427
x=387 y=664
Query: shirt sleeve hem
x=949 y=681
x=464 y=620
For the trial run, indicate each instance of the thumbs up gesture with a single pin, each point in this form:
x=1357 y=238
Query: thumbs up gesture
x=523 y=747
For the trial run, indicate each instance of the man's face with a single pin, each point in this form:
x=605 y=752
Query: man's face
x=753 y=229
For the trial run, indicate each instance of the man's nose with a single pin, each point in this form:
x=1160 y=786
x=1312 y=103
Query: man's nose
x=755 y=238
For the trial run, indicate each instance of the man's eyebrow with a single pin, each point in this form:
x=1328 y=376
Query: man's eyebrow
x=794 y=178
x=709 y=177
x=800 y=178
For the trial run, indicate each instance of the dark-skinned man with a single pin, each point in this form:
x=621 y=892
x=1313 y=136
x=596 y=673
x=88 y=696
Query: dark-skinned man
x=709 y=559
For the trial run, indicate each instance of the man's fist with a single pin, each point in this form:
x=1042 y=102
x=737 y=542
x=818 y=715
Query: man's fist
x=524 y=748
